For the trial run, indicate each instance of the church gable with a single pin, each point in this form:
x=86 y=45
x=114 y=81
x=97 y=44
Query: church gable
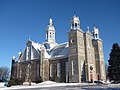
x=23 y=57
x=35 y=53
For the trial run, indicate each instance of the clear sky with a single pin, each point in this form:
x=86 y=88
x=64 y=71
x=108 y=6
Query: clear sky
x=21 y=19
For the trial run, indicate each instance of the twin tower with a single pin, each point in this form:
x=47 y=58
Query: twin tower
x=85 y=52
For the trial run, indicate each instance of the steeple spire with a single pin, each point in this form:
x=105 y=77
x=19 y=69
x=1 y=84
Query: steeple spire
x=50 y=32
x=29 y=38
x=74 y=14
x=50 y=21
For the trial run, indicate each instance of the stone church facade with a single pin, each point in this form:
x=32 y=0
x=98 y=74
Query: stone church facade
x=78 y=60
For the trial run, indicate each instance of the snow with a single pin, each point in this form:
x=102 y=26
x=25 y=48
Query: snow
x=36 y=45
x=61 y=50
x=40 y=85
x=48 y=82
x=2 y=84
x=52 y=50
x=55 y=84
x=46 y=55
x=13 y=57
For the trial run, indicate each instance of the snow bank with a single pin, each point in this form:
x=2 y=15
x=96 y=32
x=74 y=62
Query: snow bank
x=27 y=83
x=114 y=85
x=55 y=84
x=48 y=82
x=2 y=84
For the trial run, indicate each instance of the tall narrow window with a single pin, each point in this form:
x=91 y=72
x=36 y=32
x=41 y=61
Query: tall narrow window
x=20 y=72
x=58 y=69
x=75 y=25
x=47 y=35
x=66 y=71
x=53 y=36
x=37 y=70
x=27 y=71
x=102 y=69
x=73 y=67
x=96 y=35
x=66 y=68
x=51 y=70
x=28 y=53
x=72 y=25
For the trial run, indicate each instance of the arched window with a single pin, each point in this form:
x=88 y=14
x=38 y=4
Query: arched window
x=28 y=71
x=102 y=70
x=66 y=71
x=47 y=36
x=51 y=70
x=37 y=70
x=20 y=72
x=73 y=67
x=28 y=52
x=66 y=68
x=96 y=35
x=72 y=25
x=58 y=69
x=75 y=25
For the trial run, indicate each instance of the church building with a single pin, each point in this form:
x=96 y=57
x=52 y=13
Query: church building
x=78 y=60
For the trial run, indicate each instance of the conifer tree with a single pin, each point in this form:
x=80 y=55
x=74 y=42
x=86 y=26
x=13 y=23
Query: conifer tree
x=114 y=64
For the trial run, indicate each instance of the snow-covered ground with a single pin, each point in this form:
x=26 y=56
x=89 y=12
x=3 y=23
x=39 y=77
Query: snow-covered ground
x=54 y=84
x=2 y=84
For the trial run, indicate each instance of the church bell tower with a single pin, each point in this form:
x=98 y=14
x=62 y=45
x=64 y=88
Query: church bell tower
x=76 y=51
x=50 y=32
x=99 y=55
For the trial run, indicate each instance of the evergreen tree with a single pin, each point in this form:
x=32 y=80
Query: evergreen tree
x=114 y=64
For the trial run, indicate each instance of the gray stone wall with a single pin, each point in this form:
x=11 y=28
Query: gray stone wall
x=77 y=55
x=99 y=57
x=62 y=77
x=20 y=70
x=45 y=70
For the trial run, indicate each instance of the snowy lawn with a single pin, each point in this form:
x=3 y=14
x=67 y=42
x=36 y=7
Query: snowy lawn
x=54 y=84
x=2 y=84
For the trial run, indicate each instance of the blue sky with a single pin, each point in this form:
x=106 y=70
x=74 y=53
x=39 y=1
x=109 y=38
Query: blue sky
x=21 y=19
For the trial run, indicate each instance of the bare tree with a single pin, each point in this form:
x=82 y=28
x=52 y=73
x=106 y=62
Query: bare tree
x=4 y=73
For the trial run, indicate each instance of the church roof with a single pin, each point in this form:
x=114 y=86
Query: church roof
x=58 y=51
